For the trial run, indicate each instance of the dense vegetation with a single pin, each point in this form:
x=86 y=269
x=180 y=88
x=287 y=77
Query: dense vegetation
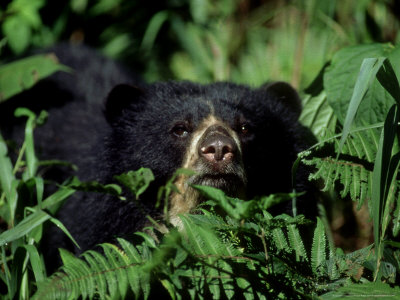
x=344 y=52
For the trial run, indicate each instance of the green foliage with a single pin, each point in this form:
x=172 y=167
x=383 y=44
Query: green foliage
x=25 y=209
x=235 y=256
x=137 y=181
x=210 y=256
x=205 y=40
x=367 y=166
x=20 y=75
x=22 y=208
x=22 y=21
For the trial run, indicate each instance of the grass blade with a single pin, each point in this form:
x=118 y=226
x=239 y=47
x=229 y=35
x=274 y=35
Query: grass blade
x=368 y=71
x=26 y=226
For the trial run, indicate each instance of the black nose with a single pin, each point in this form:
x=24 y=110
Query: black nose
x=218 y=147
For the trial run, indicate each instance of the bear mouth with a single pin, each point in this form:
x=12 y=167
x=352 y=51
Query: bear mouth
x=230 y=183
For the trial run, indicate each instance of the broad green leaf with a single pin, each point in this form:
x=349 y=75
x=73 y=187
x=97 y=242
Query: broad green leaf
x=318 y=115
x=236 y=208
x=18 y=32
x=341 y=76
x=22 y=74
x=137 y=181
x=369 y=68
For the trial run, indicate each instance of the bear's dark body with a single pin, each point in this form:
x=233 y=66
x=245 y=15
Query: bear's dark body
x=155 y=126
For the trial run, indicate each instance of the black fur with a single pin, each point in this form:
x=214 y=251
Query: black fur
x=136 y=131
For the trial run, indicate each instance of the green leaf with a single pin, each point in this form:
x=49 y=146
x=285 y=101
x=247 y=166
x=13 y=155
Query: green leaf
x=341 y=76
x=381 y=180
x=354 y=169
x=368 y=290
x=22 y=74
x=36 y=262
x=318 y=115
x=235 y=208
x=61 y=226
x=6 y=170
x=318 y=250
x=369 y=68
x=54 y=200
x=296 y=242
x=94 y=186
x=388 y=79
x=24 y=227
x=137 y=181
x=31 y=160
x=18 y=32
x=153 y=29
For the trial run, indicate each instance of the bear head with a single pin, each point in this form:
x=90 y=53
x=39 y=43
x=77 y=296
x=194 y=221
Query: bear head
x=235 y=138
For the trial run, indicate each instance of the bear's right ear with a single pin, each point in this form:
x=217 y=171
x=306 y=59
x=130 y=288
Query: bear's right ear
x=121 y=97
x=286 y=94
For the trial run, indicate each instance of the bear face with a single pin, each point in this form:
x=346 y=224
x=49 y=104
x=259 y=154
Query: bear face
x=241 y=140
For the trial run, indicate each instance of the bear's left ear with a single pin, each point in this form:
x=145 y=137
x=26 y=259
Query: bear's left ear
x=121 y=97
x=286 y=94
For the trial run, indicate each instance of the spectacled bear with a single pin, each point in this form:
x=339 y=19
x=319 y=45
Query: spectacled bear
x=236 y=138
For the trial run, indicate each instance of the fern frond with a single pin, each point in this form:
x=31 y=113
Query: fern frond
x=318 y=249
x=353 y=169
x=98 y=275
x=296 y=242
x=280 y=239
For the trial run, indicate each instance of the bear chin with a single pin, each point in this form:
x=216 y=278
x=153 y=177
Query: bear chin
x=230 y=183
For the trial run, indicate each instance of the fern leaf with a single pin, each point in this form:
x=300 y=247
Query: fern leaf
x=113 y=255
x=104 y=275
x=280 y=239
x=139 y=282
x=296 y=242
x=97 y=272
x=333 y=271
x=318 y=250
x=353 y=169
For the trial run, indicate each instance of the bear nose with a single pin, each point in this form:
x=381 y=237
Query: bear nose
x=217 y=148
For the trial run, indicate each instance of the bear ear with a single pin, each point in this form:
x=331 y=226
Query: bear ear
x=286 y=94
x=121 y=97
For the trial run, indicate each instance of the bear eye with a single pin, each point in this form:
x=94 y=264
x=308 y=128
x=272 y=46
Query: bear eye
x=244 y=128
x=180 y=130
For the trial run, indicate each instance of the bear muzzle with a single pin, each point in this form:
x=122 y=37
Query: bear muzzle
x=217 y=147
x=218 y=162
x=214 y=154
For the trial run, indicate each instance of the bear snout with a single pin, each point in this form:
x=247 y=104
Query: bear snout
x=218 y=148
